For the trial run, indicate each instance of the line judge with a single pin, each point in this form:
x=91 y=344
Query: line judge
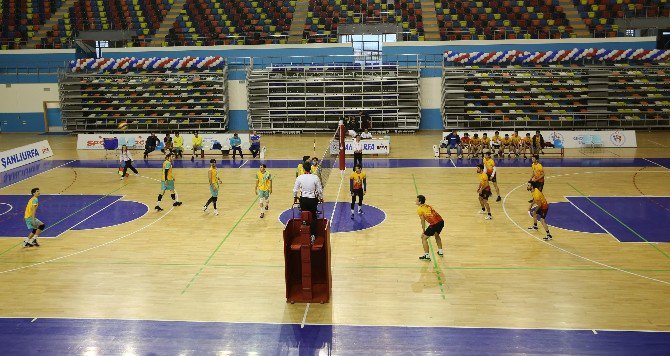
x=311 y=193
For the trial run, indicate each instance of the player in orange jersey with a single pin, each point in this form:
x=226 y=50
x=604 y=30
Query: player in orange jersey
x=435 y=226
x=484 y=191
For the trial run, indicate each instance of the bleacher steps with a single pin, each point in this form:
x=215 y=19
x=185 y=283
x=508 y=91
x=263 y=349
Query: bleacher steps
x=572 y=14
x=168 y=21
x=431 y=29
x=298 y=22
x=53 y=20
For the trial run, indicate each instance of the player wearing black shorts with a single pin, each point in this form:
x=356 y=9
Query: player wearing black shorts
x=357 y=187
x=484 y=191
x=436 y=224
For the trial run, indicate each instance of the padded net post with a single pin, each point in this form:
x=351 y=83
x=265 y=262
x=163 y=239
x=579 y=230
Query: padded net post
x=340 y=130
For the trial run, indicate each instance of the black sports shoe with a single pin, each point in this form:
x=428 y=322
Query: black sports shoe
x=548 y=237
x=530 y=201
x=25 y=245
x=158 y=208
x=267 y=207
x=534 y=227
x=440 y=253
x=192 y=158
x=499 y=198
x=424 y=258
x=177 y=203
x=35 y=243
x=352 y=216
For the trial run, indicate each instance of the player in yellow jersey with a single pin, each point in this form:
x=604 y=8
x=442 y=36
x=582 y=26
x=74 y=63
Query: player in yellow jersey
x=34 y=225
x=525 y=145
x=316 y=168
x=167 y=183
x=178 y=145
x=263 y=188
x=214 y=183
x=196 y=142
x=538 y=210
x=486 y=144
x=496 y=144
x=435 y=226
x=505 y=144
x=475 y=145
x=537 y=175
x=491 y=172
x=357 y=187
x=516 y=143
x=301 y=170
x=484 y=191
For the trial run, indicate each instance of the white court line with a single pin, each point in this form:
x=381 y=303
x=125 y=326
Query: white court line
x=594 y=331
x=570 y=252
x=650 y=161
x=243 y=163
x=10 y=208
x=592 y=219
x=304 y=316
x=90 y=216
x=88 y=249
x=452 y=162
x=654 y=142
x=337 y=198
x=64 y=164
x=34 y=319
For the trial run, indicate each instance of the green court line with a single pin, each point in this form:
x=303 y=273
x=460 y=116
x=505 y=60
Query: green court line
x=621 y=222
x=202 y=268
x=474 y=268
x=65 y=218
x=436 y=268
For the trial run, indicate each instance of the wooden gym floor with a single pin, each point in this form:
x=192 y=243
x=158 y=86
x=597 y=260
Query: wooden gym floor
x=186 y=265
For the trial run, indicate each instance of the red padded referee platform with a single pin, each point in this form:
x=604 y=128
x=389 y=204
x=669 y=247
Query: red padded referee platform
x=307 y=265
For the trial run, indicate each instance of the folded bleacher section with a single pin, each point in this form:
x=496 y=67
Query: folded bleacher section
x=149 y=94
x=599 y=15
x=325 y=16
x=21 y=19
x=236 y=22
x=501 y=19
x=141 y=17
x=315 y=97
x=570 y=89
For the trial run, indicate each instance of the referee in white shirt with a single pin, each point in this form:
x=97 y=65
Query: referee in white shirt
x=358 y=152
x=311 y=192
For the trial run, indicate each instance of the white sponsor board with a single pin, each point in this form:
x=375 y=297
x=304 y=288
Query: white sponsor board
x=570 y=139
x=23 y=155
x=137 y=140
x=375 y=146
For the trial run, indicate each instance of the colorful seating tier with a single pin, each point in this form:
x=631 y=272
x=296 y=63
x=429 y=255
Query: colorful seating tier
x=599 y=15
x=21 y=19
x=224 y=22
x=324 y=16
x=501 y=19
x=143 y=17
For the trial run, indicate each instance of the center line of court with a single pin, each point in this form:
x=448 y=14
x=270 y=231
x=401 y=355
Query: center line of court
x=436 y=267
x=620 y=222
x=219 y=246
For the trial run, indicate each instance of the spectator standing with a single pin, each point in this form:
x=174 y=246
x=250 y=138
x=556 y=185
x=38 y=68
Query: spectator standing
x=150 y=145
x=366 y=121
x=357 y=147
x=537 y=144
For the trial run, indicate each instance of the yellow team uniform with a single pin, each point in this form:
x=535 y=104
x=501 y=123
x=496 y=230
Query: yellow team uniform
x=178 y=143
x=213 y=181
x=486 y=142
x=526 y=141
x=489 y=164
x=196 y=142
x=167 y=183
x=539 y=197
x=264 y=184
x=515 y=139
x=506 y=141
x=31 y=207
x=429 y=214
x=538 y=171
x=475 y=141
x=357 y=180
x=301 y=169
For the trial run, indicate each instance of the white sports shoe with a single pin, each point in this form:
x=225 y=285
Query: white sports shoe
x=216 y=212
x=204 y=208
x=488 y=217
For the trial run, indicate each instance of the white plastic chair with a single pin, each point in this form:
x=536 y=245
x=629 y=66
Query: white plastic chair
x=596 y=141
x=587 y=141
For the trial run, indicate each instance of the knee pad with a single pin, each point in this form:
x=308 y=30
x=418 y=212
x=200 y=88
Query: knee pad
x=41 y=227
x=34 y=231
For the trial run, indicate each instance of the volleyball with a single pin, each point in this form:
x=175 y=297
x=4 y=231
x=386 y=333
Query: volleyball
x=123 y=126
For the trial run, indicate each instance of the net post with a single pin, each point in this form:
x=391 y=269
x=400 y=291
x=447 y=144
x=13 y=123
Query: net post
x=340 y=130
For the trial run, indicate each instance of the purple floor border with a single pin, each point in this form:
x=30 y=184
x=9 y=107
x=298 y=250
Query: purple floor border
x=77 y=336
